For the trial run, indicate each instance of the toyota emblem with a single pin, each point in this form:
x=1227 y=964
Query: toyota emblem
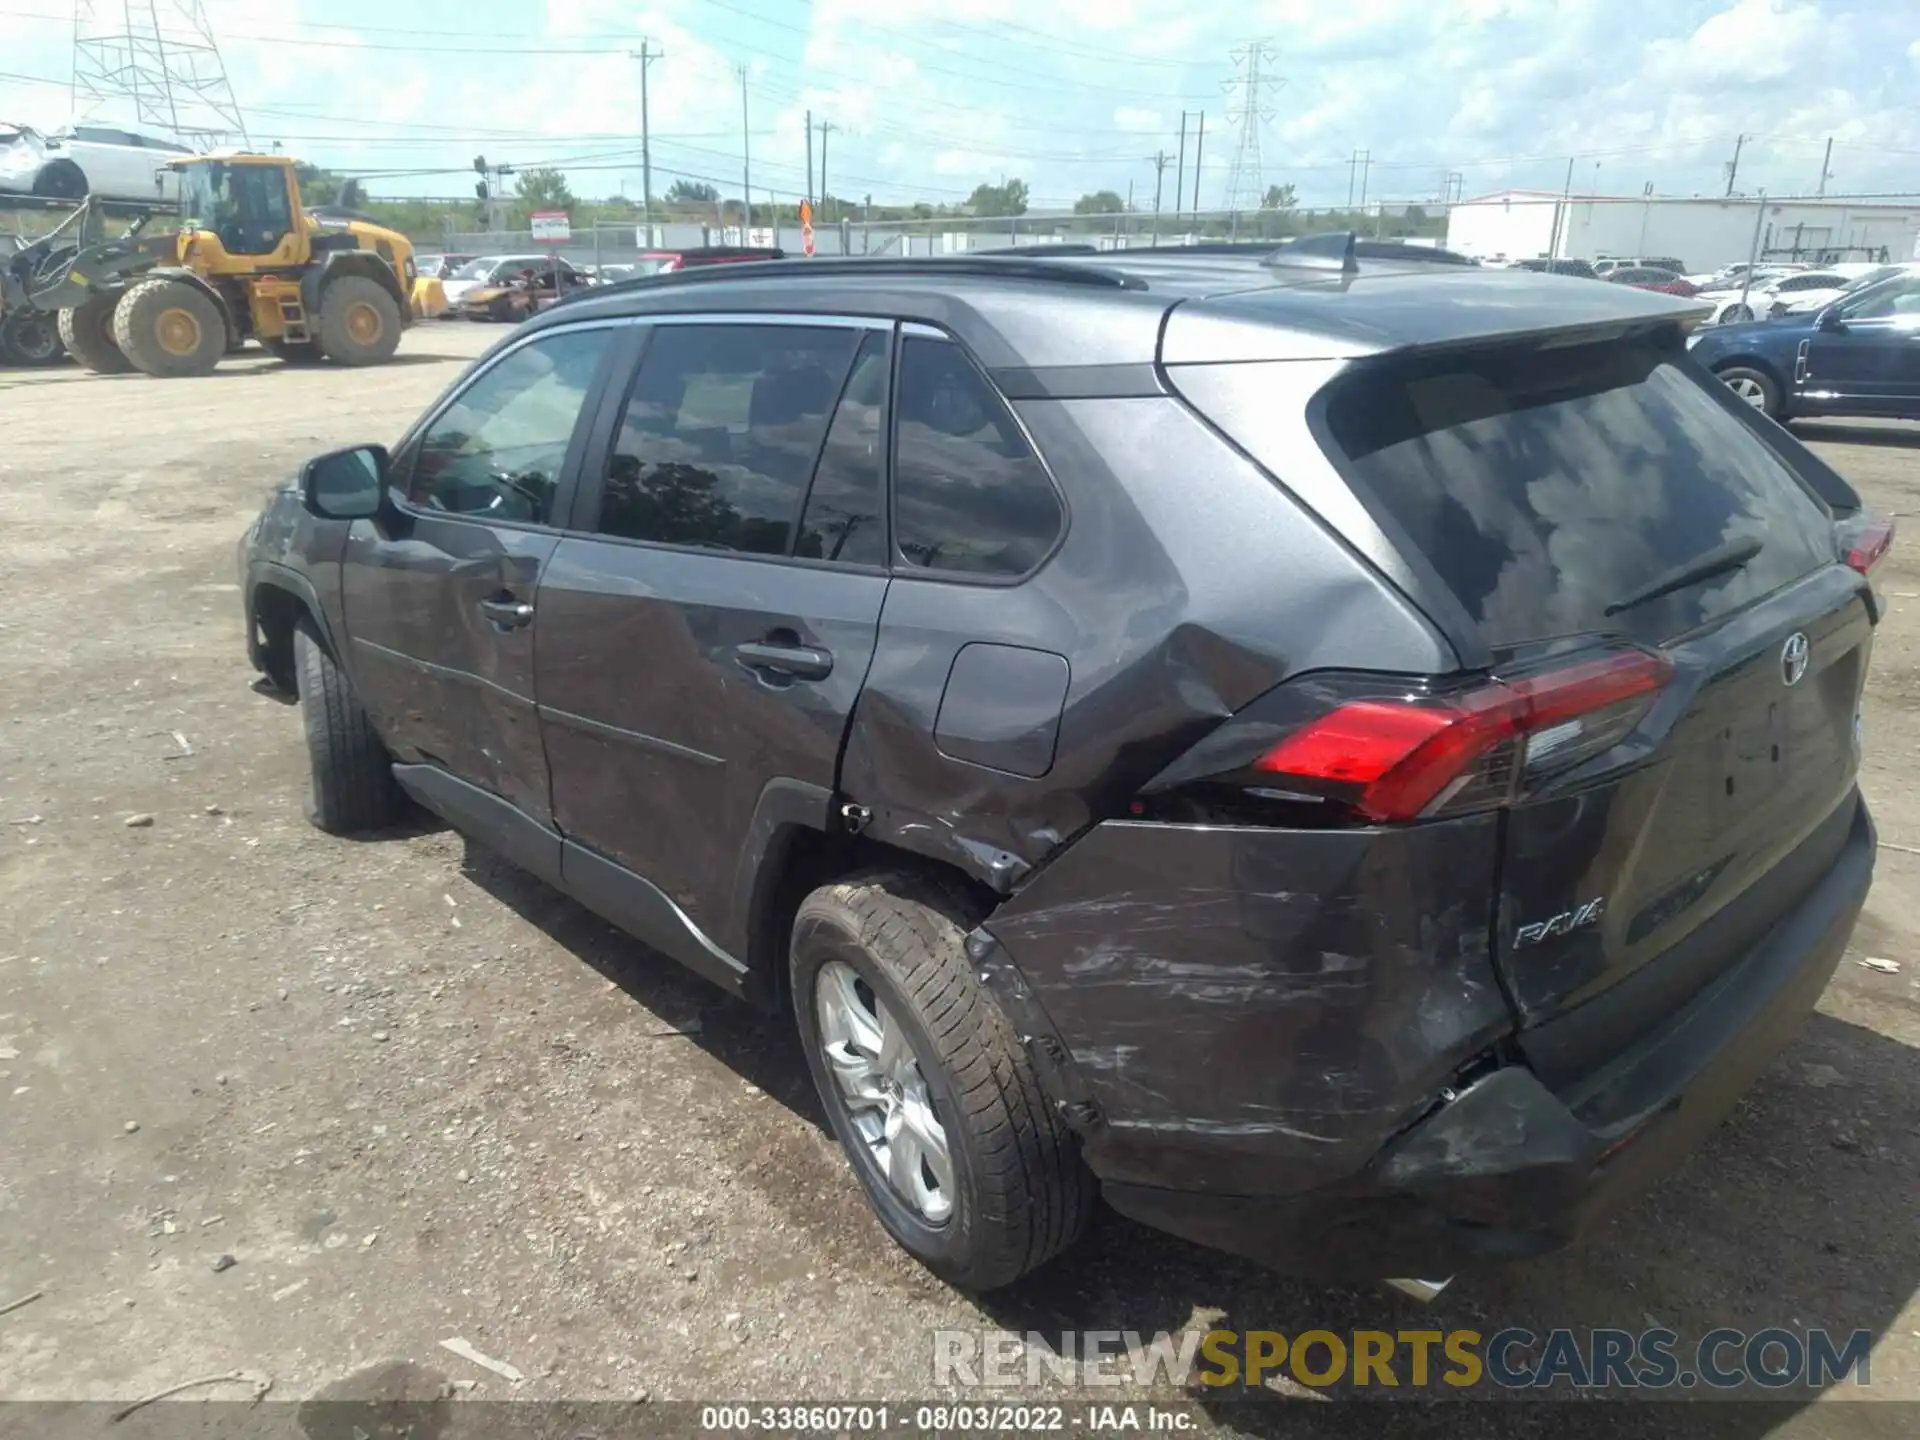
x=1793 y=658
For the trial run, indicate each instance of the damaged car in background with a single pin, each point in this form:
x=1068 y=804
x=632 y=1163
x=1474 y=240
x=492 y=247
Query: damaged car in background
x=1348 y=757
x=82 y=160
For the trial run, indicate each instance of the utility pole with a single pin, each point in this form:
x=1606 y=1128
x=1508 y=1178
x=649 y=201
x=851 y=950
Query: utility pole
x=1353 y=174
x=1826 y=168
x=1180 y=170
x=827 y=127
x=1160 y=158
x=1733 y=166
x=746 y=163
x=1199 y=141
x=809 y=157
x=1366 y=169
x=646 y=55
x=1563 y=217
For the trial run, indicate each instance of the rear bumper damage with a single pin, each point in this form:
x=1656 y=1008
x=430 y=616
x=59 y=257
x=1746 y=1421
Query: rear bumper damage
x=1379 y=1121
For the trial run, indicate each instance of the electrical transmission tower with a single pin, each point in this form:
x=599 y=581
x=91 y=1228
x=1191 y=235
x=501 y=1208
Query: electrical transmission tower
x=1245 y=185
x=161 y=56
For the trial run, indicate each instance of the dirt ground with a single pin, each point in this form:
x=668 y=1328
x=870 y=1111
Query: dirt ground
x=415 y=1094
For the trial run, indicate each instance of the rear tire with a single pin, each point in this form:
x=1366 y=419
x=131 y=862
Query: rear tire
x=1756 y=387
x=30 y=337
x=353 y=788
x=87 y=332
x=170 y=328
x=1015 y=1191
x=359 y=321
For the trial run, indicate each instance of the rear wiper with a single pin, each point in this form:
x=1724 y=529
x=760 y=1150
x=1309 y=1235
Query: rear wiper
x=1730 y=556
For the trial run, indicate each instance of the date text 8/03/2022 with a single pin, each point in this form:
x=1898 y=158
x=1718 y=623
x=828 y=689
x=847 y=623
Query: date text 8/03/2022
x=1513 y=1358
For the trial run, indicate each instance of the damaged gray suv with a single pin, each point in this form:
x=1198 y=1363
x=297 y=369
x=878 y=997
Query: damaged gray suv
x=1348 y=756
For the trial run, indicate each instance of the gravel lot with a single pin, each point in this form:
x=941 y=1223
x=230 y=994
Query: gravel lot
x=415 y=1094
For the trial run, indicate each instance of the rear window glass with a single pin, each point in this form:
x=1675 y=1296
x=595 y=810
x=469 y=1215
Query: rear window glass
x=1546 y=486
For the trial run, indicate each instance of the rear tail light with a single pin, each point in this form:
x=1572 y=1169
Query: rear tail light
x=1865 y=539
x=1401 y=759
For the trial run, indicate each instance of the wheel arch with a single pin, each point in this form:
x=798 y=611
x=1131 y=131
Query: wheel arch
x=1750 y=360
x=188 y=277
x=278 y=599
x=61 y=165
x=364 y=263
x=793 y=846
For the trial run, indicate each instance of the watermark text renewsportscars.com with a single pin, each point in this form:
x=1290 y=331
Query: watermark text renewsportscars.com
x=1513 y=1358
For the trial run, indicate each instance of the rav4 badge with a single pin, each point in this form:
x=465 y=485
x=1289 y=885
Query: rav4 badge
x=1565 y=923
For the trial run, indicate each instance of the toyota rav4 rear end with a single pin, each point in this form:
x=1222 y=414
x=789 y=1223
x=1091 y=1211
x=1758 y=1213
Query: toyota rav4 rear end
x=1394 y=973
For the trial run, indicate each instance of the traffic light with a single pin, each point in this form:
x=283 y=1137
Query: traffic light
x=480 y=186
x=480 y=189
x=480 y=163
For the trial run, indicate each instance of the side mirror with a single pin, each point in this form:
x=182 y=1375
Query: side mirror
x=346 y=484
x=1831 y=319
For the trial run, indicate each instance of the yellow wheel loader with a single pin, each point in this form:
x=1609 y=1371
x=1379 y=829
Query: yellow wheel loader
x=247 y=261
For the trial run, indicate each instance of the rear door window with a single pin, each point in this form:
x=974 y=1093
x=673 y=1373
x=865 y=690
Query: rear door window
x=1545 y=487
x=721 y=432
x=970 y=496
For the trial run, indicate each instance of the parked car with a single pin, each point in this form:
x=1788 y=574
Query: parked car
x=1371 y=874
x=1606 y=268
x=1647 y=277
x=520 y=293
x=1851 y=277
x=442 y=267
x=1858 y=356
x=88 y=160
x=665 y=262
x=495 y=271
x=1544 y=266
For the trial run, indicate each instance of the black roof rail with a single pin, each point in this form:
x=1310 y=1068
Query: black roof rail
x=997 y=267
x=1039 y=247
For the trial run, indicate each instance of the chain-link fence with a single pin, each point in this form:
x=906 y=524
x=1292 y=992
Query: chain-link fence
x=612 y=244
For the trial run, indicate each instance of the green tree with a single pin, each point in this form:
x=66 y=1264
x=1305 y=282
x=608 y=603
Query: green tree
x=544 y=189
x=692 y=192
x=1002 y=200
x=1278 y=197
x=1100 y=202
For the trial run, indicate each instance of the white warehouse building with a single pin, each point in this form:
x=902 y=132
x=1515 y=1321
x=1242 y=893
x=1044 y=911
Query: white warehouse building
x=1703 y=234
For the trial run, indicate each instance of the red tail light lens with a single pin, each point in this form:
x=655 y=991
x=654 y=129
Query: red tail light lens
x=1398 y=760
x=1865 y=539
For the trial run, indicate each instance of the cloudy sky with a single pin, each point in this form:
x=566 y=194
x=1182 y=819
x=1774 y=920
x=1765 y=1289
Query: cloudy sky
x=930 y=97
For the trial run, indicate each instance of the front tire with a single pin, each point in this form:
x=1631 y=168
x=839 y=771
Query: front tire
x=359 y=322
x=87 y=332
x=171 y=329
x=353 y=788
x=30 y=337
x=1755 y=387
x=927 y=1086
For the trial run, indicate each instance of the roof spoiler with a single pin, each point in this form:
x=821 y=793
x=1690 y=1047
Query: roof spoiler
x=1336 y=250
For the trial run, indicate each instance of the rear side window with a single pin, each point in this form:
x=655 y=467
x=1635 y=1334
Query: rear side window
x=845 y=517
x=1544 y=487
x=721 y=432
x=970 y=495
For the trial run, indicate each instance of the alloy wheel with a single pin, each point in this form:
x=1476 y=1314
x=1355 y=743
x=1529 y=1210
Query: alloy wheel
x=880 y=1082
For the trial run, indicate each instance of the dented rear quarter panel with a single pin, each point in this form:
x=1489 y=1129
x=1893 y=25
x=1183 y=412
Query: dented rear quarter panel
x=1187 y=584
x=1258 y=1010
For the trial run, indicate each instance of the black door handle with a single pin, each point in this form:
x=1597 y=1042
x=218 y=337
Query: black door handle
x=802 y=662
x=508 y=613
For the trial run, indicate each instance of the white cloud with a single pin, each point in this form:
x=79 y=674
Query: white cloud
x=932 y=97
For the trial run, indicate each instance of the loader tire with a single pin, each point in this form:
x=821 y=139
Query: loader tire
x=352 y=786
x=87 y=332
x=30 y=337
x=359 y=321
x=170 y=328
